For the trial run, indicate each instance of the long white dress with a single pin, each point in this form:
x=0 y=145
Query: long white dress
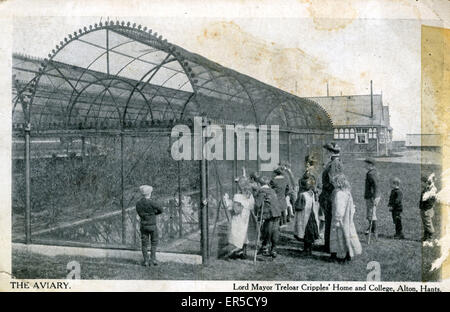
x=239 y=222
x=343 y=236
x=309 y=205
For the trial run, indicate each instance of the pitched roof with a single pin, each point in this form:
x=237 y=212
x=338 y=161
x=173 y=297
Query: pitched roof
x=355 y=110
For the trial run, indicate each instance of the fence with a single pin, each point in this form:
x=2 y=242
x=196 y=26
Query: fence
x=84 y=185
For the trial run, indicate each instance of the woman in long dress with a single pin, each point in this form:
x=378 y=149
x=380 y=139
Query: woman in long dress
x=240 y=208
x=306 y=225
x=344 y=241
x=307 y=222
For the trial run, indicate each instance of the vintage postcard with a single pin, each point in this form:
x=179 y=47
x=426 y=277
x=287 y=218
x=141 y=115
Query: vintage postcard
x=272 y=146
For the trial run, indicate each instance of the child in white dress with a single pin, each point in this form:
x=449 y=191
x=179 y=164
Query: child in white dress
x=344 y=241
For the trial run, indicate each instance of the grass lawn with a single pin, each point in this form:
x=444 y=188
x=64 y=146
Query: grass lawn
x=289 y=265
x=400 y=260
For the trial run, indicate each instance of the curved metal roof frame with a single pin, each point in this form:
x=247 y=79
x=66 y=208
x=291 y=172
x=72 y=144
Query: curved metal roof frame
x=116 y=75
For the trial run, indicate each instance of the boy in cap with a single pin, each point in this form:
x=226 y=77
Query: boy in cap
x=281 y=187
x=267 y=208
x=396 y=207
x=428 y=198
x=371 y=195
x=148 y=209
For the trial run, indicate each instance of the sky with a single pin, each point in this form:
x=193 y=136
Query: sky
x=297 y=46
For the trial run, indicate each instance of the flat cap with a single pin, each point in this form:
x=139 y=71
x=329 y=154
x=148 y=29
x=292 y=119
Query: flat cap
x=146 y=190
x=370 y=160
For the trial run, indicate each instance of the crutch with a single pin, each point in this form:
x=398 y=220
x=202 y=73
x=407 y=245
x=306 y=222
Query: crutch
x=259 y=232
x=370 y=225
x=370 y=232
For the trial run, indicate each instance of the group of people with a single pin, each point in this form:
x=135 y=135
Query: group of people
x=322 y=214
x=268 y=204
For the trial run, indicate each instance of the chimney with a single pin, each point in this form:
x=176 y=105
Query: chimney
x=328 y=91
x=371 y=100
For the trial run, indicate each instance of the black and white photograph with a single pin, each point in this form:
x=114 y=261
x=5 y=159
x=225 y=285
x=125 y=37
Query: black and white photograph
x=246 y=146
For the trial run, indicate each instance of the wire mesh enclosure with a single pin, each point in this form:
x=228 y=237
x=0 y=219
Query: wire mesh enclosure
x=93 y=121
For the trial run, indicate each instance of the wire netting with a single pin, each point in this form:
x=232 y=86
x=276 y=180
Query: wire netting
x=78 y=189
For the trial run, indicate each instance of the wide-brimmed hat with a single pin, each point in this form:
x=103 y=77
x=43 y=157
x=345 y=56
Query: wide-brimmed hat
x=146 y=190
x=332 y=147
x=370 y=161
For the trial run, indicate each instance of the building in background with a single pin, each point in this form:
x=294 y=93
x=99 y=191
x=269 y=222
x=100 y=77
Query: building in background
x=424 y=141
x=398 y=145
x=361 y=122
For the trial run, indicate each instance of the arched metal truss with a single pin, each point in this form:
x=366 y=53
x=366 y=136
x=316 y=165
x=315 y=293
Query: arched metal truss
x=117 y=75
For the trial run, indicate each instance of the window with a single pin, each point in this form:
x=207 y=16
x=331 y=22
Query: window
x=336 y=134
x=362 y=136
x=347 y=134
x=352 y=133
x=341 y=133
x=374 y=133
x=370 y=133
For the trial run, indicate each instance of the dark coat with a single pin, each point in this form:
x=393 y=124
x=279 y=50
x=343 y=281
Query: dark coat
x=395 y=200
x=291 y=185
x=426 y=204
x=333 y=168
x=267 y=200
x=302 y=182
x=281 y=187
x=147 y=210
x=371 y=190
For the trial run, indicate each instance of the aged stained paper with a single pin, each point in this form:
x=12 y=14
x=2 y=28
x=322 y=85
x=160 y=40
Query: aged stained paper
x=370 y=76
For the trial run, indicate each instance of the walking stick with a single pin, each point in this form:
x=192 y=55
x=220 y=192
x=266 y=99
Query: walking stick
x=259 y=233
x=371 y=221
x=370 y=232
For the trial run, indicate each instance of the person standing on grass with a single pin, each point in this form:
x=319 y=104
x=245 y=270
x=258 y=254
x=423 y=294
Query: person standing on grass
x=307 y=183
x=267 y=208
x=371 y=195
x=148 y=209
x=306 y=225
x=344 y=241
x=396 y=207
x=241 y=207
x=281 y=187
x=332 y=168
x=310 y=173
x=428 y=199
